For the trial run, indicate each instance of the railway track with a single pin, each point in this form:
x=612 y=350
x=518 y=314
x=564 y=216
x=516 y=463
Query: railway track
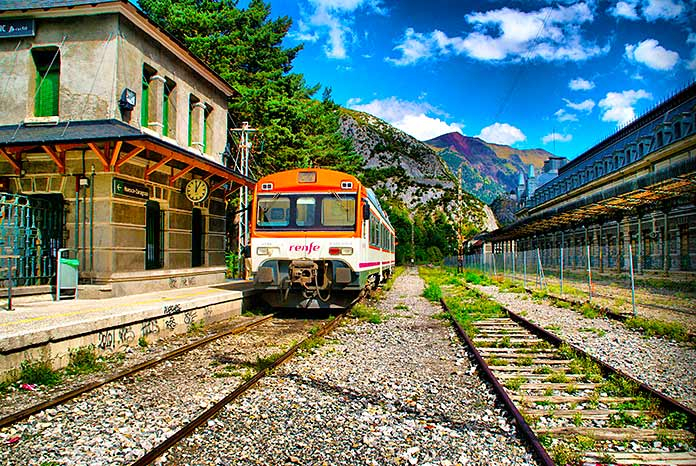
x=573 y=408
x=185 y=372
x=69 y=395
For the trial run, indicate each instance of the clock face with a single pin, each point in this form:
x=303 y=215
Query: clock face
x=196 y=190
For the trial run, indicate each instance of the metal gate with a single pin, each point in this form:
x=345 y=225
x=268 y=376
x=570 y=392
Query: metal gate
x=31 y=232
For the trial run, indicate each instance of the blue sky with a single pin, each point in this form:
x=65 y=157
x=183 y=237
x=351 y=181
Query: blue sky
x=529 y=73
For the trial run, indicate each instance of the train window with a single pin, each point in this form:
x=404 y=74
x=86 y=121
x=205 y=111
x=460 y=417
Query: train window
x=305 y=211
x=338 y=211
x=274 y=212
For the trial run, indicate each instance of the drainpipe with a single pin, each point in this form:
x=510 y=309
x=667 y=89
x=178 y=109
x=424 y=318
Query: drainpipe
x=91 y=225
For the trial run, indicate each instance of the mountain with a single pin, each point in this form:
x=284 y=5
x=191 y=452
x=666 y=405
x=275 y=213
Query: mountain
x=414 y=184
x=488 y=170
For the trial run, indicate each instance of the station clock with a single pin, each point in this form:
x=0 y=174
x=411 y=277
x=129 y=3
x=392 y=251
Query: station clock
x=197 y=190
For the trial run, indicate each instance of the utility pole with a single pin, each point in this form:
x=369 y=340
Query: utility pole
x=460 y=219
x=243 y=167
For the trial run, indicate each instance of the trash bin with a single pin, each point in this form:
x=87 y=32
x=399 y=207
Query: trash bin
x=67 y=274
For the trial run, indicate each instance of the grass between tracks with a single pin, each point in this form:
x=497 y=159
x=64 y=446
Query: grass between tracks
x=467 y=306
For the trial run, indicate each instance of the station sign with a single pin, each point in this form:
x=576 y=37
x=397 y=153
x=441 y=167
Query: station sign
x=130 y=189
x=17 y=28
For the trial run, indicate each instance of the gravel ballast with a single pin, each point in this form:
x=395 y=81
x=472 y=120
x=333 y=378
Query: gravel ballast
x=665 y=365
x=398 y=392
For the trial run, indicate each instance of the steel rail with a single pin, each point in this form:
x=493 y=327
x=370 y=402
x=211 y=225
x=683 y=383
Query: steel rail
x=607 y=368
x=537 y=448
x=202 y=418
x=25 y=413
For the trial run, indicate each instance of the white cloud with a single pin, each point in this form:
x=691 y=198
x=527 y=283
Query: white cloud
x=618 y=106
x=501 y=133
x=584 y=106
x=650 y=10
x=662 y=9
x=332 y=22
x=652 y=54
x=691 y=64
x=579 y=84
x=411 y=117
x=557 y=137
x=563 y=115
x=625 y=10
x=550 y=34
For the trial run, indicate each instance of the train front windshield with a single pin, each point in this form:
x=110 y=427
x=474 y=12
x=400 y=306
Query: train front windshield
x=331 y=211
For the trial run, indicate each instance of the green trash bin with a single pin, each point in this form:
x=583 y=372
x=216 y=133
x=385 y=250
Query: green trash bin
x=67 y=275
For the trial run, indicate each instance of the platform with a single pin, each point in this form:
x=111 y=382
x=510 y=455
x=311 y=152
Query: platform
x=43 y=329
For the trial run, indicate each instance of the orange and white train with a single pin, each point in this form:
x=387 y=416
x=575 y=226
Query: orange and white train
x=318 y=239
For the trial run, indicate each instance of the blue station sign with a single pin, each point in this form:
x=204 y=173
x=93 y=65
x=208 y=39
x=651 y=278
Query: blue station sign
x=17 y=28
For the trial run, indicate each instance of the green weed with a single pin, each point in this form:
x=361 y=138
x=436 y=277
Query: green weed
x=195 y=328
x=652 y=327
x=557 y=377
x=84 y=361
x=675 y=420
x=367 y=314
x=142 y=342
x=433 y=292
x=524 y=361
x=589 y=311
x=515 y=383
x=39 y=373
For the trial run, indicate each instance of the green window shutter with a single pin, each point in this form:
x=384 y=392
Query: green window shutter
x=190 y=125
x=48 y=89
x=165 y=114
x=205 y=135
x=145 y=104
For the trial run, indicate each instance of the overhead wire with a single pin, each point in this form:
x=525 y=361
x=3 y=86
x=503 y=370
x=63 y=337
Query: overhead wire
x=521 y=69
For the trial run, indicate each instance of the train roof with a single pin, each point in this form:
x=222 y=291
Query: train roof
x=309 y=179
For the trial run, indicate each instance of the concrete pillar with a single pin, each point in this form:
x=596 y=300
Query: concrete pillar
x=198 y=120
x=626 y=241
x=600 y=243
x=618 y=245
x=157 y=83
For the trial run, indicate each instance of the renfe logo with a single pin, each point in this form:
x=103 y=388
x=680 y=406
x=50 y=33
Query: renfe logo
x=308 y=248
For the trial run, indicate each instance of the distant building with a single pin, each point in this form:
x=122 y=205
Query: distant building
x=527 y=187
x=111 y=143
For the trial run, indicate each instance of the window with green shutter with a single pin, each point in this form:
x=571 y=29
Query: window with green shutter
x=165 y=110
x=145 y=101
x=205 y=131
x=47 y=83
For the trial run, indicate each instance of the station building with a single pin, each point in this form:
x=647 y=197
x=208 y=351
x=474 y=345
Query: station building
x=112 y=137
x=628 y=201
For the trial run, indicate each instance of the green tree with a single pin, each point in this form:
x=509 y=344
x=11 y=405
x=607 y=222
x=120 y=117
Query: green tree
x=244 y=46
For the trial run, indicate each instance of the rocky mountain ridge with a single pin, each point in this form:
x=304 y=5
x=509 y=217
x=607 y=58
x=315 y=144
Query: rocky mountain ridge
x=488 y=170
x=408 y=170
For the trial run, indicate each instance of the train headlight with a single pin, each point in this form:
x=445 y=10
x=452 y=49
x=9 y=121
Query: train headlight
x=265 y=251
x=341 y=251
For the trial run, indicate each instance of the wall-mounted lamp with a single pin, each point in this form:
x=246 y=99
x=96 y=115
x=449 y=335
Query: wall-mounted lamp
x=127 y=100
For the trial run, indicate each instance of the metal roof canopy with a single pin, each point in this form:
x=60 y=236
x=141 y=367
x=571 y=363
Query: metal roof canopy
x=666 y=184
x=114 y=143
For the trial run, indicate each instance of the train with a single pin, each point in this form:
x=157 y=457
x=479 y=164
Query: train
x=318 y=239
